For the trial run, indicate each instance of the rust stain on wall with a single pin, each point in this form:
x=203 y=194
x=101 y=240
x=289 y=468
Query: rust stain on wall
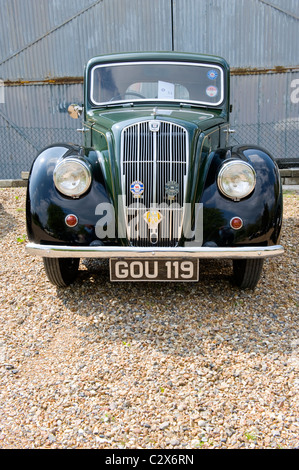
x=46 y=81
x=262 y=71
x=79 y=80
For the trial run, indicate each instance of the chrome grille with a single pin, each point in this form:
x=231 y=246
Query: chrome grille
x=154 y=158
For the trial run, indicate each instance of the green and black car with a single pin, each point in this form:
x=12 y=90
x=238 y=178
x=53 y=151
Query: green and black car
x=157 y=186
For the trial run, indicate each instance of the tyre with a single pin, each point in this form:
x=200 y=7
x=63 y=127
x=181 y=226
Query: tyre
x=61 y=271
x=247 y=272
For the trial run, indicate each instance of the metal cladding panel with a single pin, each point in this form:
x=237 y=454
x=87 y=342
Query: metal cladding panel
x=41 y=105
x=244 y=110
x=289 y=6
x=265 y=112
x=32 y=118
x=56 y=38
x=248 y=33
x=264 y=98
x=29 y=35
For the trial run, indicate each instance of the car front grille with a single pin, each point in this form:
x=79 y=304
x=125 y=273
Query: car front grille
x=154 y=156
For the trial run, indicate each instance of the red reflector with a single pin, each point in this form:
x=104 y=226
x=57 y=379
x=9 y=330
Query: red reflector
x=236 y=223
x=71 y=220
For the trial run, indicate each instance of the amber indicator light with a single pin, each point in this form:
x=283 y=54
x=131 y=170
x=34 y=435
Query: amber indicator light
x=236 y=223
x=71 y=220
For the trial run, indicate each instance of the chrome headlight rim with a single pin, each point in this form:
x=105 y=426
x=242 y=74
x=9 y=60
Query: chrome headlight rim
x=72 y=192
x=228 y=166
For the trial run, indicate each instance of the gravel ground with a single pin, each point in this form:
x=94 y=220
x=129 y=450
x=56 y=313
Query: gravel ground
x=157 y=366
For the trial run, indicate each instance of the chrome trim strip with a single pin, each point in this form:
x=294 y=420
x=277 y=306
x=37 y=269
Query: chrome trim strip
x=154 y=191
x=156 y=100
x=56 y=251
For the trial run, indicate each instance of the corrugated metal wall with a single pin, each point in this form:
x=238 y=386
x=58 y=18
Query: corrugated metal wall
x=248 y=33
x=55 y=38
x=46 y=43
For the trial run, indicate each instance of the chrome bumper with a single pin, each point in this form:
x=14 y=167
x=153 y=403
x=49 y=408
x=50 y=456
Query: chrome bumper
x=53 y=251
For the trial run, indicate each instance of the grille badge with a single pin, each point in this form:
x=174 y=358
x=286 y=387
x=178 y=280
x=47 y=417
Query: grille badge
x=137 y=189
x=153 y=218
x=154 y=126
x=172 y=189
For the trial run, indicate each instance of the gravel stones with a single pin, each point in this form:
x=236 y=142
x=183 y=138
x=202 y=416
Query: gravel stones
x=101 y=365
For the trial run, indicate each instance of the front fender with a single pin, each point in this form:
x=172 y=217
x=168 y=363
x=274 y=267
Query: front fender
x=46 y=208
x=261 y=211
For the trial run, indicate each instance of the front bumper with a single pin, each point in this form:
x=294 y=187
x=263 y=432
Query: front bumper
x=57 y=251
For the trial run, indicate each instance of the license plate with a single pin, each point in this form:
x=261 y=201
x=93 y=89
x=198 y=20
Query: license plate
x=154 y=270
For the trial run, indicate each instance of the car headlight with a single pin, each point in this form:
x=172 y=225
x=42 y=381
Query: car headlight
x=236 y=179
x=72 y=177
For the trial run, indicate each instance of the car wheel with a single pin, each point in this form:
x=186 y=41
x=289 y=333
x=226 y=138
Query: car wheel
x=247 y=272
x=61 y=271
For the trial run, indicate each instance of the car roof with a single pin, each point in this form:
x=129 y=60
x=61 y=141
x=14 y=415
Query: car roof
x=166 y=56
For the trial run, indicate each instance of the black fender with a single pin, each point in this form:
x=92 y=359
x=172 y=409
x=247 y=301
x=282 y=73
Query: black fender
x=46 y=207
x=261 y=211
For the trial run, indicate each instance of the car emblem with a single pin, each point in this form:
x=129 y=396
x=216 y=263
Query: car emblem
x=172 y=189
x=153 y=218
x=137 y=189
x=154 y=126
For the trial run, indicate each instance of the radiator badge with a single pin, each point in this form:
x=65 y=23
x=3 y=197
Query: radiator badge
x=154 y=126
x=137 y=189
x=172 y=189
x=153 y=218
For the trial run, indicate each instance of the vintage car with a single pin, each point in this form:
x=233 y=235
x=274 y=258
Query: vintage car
x=157 y=185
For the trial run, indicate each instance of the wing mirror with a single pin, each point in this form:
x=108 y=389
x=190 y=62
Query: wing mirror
x=75 y=110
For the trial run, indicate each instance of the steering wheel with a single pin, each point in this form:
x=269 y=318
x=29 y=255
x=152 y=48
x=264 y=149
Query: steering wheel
x=132 y=93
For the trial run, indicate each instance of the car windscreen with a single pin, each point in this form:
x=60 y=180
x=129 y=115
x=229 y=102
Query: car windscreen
x=156 y=81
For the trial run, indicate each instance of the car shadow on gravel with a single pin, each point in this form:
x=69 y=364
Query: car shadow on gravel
x=210 y=271
x=7 y=222
x=180 y=319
